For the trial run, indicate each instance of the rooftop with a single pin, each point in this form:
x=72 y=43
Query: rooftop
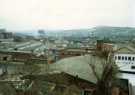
x=79 y=66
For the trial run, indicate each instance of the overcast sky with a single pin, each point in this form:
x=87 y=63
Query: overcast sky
x=65 y=14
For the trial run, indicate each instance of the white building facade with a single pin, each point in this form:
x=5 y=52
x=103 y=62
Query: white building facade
x=126 y=62
x=125 y=59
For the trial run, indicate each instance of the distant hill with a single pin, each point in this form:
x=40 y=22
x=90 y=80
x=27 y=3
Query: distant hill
x=99 y=32
x=26 y=33
x=114 y=31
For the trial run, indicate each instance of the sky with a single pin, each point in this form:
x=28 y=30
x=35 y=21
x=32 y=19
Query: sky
x=65 y=14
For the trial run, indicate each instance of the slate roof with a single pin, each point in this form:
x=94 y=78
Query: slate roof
x=79 y=66
x=124 y=49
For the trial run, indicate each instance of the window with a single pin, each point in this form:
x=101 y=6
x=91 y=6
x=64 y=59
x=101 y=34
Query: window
x=132 y=67
x=133 y=58
x=5 y=58
x=119 y=57
x=125 y=57
x=87 y=93
x=129 y=58
x=122 y=57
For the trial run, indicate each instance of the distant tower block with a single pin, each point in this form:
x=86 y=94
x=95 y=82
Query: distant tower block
x=5 y=36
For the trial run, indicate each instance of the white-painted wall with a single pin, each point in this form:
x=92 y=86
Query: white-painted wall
x=125 y=65
x=131 y=79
